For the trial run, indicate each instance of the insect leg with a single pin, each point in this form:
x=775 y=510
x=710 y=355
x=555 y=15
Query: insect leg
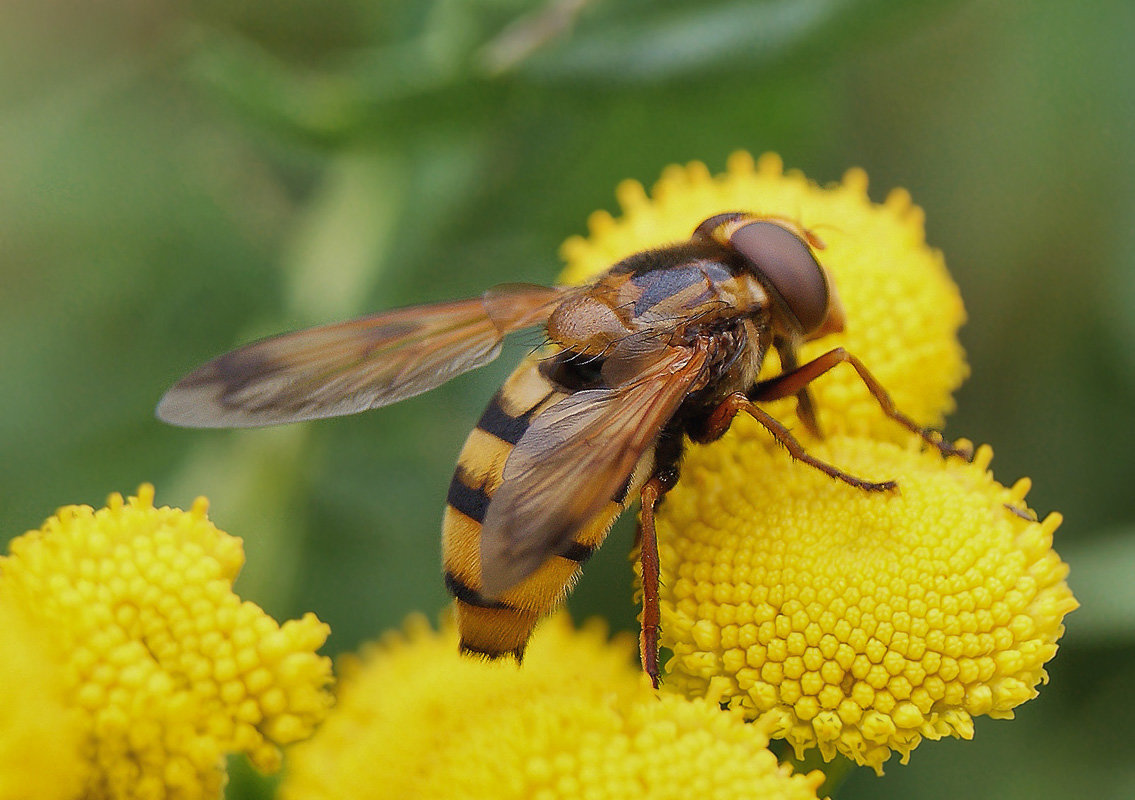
x=659 y=483
x=722 y=416
x=805 y=408
x=663 y=477
x=648 y=554
x=791 y=383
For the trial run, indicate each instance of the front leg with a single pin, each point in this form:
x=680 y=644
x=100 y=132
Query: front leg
x=721 y=417
x=795 y=382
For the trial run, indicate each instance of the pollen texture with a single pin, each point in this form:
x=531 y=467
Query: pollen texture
x=577 y=720
x=903 y=309
x=859 y=623
x=167 y=668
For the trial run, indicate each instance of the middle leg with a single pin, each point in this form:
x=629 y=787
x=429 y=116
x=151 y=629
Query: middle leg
x=722 y=416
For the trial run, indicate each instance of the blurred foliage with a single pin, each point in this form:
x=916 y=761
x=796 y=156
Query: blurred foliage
x=178 y=178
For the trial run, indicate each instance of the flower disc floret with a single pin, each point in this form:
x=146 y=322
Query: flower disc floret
x=856 y=622
x=170 y=669
x=903 y=310
x=577 y=720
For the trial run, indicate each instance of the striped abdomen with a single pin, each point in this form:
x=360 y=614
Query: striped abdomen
x=502 y=625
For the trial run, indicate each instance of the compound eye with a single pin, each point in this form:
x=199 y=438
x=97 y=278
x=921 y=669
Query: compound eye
x=784 y=262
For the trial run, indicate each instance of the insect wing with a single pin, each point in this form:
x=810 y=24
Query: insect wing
x=352 y=366
x=572 y=461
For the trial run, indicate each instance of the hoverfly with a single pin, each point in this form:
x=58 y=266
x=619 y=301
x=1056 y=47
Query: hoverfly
x=665 y=345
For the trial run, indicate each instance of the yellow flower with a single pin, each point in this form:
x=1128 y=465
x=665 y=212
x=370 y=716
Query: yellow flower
x=903 y=310
x=854 y=622
x=40 y=737
x=850 y=622
x=416 y=719
x=169 y=669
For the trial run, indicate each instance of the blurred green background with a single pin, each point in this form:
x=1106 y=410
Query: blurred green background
x=179 y=178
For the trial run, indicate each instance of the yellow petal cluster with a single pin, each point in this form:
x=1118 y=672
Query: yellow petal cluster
x=850 y=622
x=170 y=670
x=857 y=623
x=903 y=309
x=40 y=736
x=416 y=719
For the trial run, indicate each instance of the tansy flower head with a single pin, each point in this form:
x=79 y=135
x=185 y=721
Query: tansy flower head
x=415 y=719
x=903 y=310
x=855 y=622
x=40 y=736
x=169 y=669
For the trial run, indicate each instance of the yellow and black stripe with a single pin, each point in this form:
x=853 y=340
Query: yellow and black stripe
x=501 y=626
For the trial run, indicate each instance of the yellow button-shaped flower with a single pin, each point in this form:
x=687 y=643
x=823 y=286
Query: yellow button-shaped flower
x=924 y=588
x=854 y=622
x=41 y=737
x=169 y=669
x=577 y=720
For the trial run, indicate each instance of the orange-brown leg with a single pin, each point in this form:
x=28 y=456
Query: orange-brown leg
x=792 y=383
x=722 y=416
x=805 y=408
x=648 y=556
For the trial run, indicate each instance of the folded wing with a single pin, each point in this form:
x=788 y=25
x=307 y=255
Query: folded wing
x=572 y=461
